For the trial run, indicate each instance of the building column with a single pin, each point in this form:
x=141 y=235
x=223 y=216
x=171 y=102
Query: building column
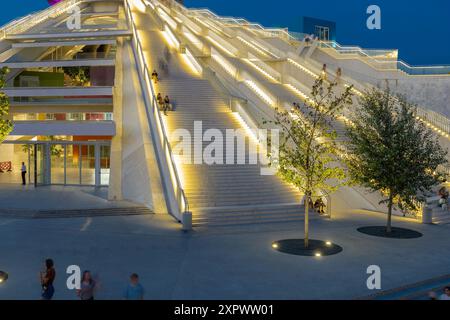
x=47 y=164
x=97 y=164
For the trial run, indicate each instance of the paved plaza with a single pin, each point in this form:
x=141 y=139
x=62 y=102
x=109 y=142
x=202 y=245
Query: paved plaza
x=215 y=263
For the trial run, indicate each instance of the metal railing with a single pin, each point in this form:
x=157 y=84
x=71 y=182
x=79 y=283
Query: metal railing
x=384 y=59
x=183 y=205
x=439 y=122
x=30 y=21
x=82 y=56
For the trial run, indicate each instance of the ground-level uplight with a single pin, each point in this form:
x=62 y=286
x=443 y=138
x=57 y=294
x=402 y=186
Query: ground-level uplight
x=3 y=277
x=314 y=248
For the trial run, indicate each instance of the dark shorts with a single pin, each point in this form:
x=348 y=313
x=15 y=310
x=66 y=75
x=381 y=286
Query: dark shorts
x=47 y=292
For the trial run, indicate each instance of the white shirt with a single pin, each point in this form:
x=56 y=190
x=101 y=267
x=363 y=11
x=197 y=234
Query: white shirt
x=444 y=297
x=24 y=168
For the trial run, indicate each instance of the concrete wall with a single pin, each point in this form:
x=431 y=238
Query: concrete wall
x=6 y=152
x=135 y=173
x=105 y=6
x=429 y=92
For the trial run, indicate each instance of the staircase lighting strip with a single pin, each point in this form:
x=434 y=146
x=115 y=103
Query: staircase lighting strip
x=251 y=45
x=140 y=5
x=218 y=45
x=150 y=3
x=194 y=40
x=261 y=70
x=167 y=19
x=266 y=50
x=252 y=85
x=192 y=62
x=230 y=69
x=170 y=37
x=208 y=25
x=246 y=127
x=299 y=66
x=299 y=92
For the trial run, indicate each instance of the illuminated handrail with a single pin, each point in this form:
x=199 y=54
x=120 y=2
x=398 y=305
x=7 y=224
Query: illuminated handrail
x=373 y=56
x=39 y=17
x=438 y=122
x=179 y=192
x=390 y=59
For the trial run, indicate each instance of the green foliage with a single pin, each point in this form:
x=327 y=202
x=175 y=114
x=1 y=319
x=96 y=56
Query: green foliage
x=308 y=150
x=6 y=125
x=390 y=151
x=308 y=153
x=80 y=75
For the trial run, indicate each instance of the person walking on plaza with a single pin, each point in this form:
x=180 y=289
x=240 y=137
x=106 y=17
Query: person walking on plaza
x=134 y=290
x=87 y=287
x=24 y=172
x=47 y=277
x=446 y=294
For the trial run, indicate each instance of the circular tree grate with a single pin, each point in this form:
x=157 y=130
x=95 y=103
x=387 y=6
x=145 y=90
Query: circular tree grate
x=396 y=233
x=315 y=247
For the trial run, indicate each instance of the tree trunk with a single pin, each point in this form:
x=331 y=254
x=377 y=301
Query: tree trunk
x=307 y=197
x=389 y=219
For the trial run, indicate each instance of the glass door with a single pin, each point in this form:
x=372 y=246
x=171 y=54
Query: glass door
x=323 y=33
x=88 y=165
x=39 y=157
x=105 y=165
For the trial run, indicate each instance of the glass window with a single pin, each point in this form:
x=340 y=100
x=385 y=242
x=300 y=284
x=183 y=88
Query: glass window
x=88 y=165
x=72 y=164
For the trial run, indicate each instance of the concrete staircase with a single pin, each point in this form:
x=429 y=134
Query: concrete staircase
x=74 y=213
x=218 y=194
x=440 y=216
x=224 y=194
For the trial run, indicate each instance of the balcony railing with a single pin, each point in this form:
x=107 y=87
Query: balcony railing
x=384 y=59
x=28 y=22
x=83 y=56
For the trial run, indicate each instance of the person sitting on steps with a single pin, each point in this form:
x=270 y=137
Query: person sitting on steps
x=155 y=76
x=319 y=206
x=160 y=101
x=443 y=201
x=167 y=105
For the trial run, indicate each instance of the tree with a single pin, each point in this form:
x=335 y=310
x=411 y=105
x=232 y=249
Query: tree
x=308 y=152
x=6 y=125
x=79 y=76
x=392 y=152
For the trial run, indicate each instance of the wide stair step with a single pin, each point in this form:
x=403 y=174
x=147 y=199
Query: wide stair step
x=125 y=211
x=250 y=215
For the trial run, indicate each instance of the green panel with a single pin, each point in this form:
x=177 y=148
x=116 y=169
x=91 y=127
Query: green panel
x=46 y=79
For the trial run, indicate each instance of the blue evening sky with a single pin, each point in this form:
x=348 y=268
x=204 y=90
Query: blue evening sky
x=419 y=29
